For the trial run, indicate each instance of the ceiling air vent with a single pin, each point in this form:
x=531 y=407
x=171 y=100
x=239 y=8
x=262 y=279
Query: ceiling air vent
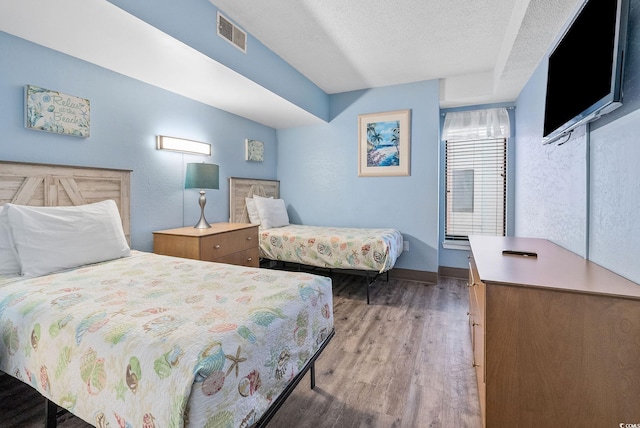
x=231 y=33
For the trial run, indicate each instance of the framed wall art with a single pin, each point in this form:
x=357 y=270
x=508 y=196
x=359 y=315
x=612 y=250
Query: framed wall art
x=53 y=111
x=254 y=150
x=383 y=144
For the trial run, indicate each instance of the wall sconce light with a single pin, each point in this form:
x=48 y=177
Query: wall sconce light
x=182 y=145
x=202 y=176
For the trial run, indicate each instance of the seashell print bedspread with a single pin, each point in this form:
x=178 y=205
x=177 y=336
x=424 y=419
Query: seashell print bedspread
x=157 y=341
x=333 y=247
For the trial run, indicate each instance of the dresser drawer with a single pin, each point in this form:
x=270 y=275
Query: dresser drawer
x=213 y=247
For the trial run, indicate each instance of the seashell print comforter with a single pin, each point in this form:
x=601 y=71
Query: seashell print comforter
x=157 y=341
x=333 y=247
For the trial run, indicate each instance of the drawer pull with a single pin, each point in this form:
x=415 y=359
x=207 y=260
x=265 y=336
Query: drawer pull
x=249 y=259
x=474 y=324
x=217 y=246
x=249 y=238
x=476 y=365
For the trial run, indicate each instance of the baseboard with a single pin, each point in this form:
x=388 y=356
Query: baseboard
x=453 y=272
x=413 y=275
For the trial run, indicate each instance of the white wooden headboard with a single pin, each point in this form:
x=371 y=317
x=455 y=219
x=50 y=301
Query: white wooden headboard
x=240 y=188
x=59 y=185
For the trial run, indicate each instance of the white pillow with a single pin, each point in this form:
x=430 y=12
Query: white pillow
x=254 y=217
x=50 y=239
x=272 y=212
x=8 y=261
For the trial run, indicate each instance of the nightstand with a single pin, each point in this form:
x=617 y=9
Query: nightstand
x=233 y=243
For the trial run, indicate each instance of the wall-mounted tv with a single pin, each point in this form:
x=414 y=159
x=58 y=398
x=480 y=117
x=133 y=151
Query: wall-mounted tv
x=584 y=78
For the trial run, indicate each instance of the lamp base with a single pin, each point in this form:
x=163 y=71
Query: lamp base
x=202 y=223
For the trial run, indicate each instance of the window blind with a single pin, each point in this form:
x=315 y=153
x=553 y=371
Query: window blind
x=475 y=188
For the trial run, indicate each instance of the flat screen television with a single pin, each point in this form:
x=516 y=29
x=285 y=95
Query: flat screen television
x=584 y=78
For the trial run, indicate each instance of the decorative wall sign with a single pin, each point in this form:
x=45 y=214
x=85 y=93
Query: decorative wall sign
x=54 y=111
x=254 y=150
x=383 y=143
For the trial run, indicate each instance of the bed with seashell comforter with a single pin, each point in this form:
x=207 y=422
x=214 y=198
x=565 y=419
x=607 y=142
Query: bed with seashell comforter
x=333 y=247
x=152 y=340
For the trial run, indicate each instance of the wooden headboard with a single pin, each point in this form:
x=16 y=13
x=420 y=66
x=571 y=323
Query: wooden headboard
x=240 y=188
x=59 y=185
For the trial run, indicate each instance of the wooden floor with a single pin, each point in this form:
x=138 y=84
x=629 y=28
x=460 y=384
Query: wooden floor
x=403 y=361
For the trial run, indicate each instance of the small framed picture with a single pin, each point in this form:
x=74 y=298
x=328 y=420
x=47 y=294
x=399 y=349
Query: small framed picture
x=254 y=150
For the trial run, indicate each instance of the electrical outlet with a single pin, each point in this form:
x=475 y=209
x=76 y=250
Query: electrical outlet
x=405 y=245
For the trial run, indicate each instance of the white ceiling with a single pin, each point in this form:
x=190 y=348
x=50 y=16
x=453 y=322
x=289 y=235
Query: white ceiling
x=482 y=51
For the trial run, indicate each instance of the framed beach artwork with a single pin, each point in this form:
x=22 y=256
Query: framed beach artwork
x=383 y=144
x=53 y=111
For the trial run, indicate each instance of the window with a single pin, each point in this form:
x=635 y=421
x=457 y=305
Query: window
x=475 y=173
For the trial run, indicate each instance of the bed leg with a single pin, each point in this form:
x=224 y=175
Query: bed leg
x=368 y=285
x=313 y=375
x=50 y=414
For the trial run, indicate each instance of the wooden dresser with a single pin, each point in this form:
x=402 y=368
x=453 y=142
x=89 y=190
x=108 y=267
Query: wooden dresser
x=556 y=338
x=233 y=243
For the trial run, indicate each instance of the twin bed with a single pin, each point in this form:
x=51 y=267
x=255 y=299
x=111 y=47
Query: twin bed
x=124 y=338
x=371 y=250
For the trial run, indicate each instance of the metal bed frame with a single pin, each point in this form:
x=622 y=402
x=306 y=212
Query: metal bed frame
x=369 y=276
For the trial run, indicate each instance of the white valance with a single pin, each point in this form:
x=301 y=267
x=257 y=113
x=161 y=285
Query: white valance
x=476 y=125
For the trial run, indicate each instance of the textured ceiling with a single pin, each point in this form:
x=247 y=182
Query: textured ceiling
x=485 y=51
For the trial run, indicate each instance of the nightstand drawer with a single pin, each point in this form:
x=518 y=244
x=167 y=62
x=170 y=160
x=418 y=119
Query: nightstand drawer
x=222 y=244
x=250 y=258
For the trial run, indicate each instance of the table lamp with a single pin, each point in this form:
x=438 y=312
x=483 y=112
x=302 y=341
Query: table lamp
x=202 y=176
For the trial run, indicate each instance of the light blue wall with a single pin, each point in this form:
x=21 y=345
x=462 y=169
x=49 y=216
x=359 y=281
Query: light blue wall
x=126 y=116
x=585 y=194
x=194 y=23
x=318 y=171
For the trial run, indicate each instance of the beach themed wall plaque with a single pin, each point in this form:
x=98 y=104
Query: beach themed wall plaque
x=383 y=143
x=54 y=111
x=254 y=150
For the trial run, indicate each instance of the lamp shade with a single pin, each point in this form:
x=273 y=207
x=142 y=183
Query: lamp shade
x=202 y=176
